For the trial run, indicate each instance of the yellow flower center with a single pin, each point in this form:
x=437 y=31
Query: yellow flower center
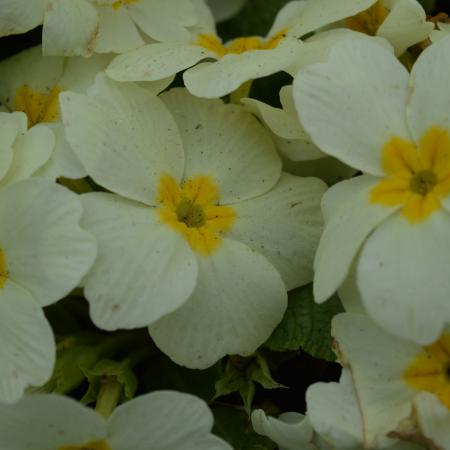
x=430 y=371
x=3 y=269
x=37 y=106
x=192 y=209
x=239 y=45
x=97 y=445
x=370 y=20
x=119 y=3
x=417 y=177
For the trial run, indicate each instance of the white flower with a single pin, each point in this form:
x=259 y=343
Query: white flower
x=443 y=30
x=159 y=420
x=402 y=22
x=225 y=10
x=202 y=226
x=43 y=256
x=239 y=60
x=23 y=152
x=31 y=83
x=82 y=27
x=392 y=223
x=391 y=376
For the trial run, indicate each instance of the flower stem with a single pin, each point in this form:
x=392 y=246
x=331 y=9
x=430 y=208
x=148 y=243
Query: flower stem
x=108 y=396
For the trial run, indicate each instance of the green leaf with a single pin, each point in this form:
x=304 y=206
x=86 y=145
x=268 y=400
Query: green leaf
x=241 y=374
x=235 y=427
x=107 y=369
x=306 y=325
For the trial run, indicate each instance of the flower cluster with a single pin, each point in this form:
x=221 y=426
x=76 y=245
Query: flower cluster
x=141 y=176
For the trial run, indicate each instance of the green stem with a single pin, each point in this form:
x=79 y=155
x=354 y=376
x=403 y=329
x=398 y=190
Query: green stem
x=242 y=91
x=108 y=396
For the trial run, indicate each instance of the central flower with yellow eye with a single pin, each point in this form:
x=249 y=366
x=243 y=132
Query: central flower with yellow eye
x=97 y=445
x=3 y=269
x=192 y=209
x=418 y=178
x=239 y=45
x=430 y=371
x=37 y=106
x=370 y=20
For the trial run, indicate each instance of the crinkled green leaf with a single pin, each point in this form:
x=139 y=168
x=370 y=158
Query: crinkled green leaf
x=235 y=427
x=306 y=325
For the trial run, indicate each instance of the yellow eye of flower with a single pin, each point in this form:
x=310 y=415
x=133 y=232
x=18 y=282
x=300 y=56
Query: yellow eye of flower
x=430 y=371
x=97 y=445
x=191 y=209
x=37 y=106
x=119 y=3
x=239 y=45
x=3 y=269
x=370 y=20
x=417 y=178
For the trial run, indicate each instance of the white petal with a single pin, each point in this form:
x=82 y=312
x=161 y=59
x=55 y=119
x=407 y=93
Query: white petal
x=334 y=413
x=117 y=32
x=70 y=28
x=345 y=232
x=396 y=266
x=19 y=16
x=124 y=137
x=344 y=117
x=225 y=10
x=46 y=251
x=430 y=87
x=225 y=142
x=143 y=271
x=28 y=68
x=31 y=151
x=284 y=225
x=303 y=17
x=433 y=418
x=377 y=362
x=163 y=420
x=47 y=422
x=155 y=61
x=10 y=127
x=291 y=434
x=405 y=25
x=28 y=349
x=219 y=78
x=238 y=301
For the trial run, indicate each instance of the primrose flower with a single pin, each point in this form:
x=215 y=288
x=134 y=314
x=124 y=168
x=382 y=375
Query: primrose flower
x=159 y=420
x=402 y=22
x=392 y=222
x=31 y=83
x=203 y=234
x=24 y=151
x=43 y=255
x=333 y=421
x=394 y=380
x=82 y=27
x=237 y=61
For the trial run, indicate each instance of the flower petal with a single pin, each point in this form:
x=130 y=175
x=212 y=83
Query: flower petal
x=344 y=117
x=124 y=136
x=46 y=250
x=394 y=272
x=225 y=142
x=20 y=16
x=284 y=225
x=28 y=347
x=238 y=301
x=143 y=270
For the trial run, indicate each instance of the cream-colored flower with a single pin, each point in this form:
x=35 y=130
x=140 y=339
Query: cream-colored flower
x=239 y=60
x=204 y=234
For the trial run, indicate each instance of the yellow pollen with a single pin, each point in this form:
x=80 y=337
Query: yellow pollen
x=97 y=445
x=370 y=20
x=417 y=178
x=239 y=45
x=37 y=106
x=119 y=3
x=3 y=269
x=192 y=209
x=430 y=371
